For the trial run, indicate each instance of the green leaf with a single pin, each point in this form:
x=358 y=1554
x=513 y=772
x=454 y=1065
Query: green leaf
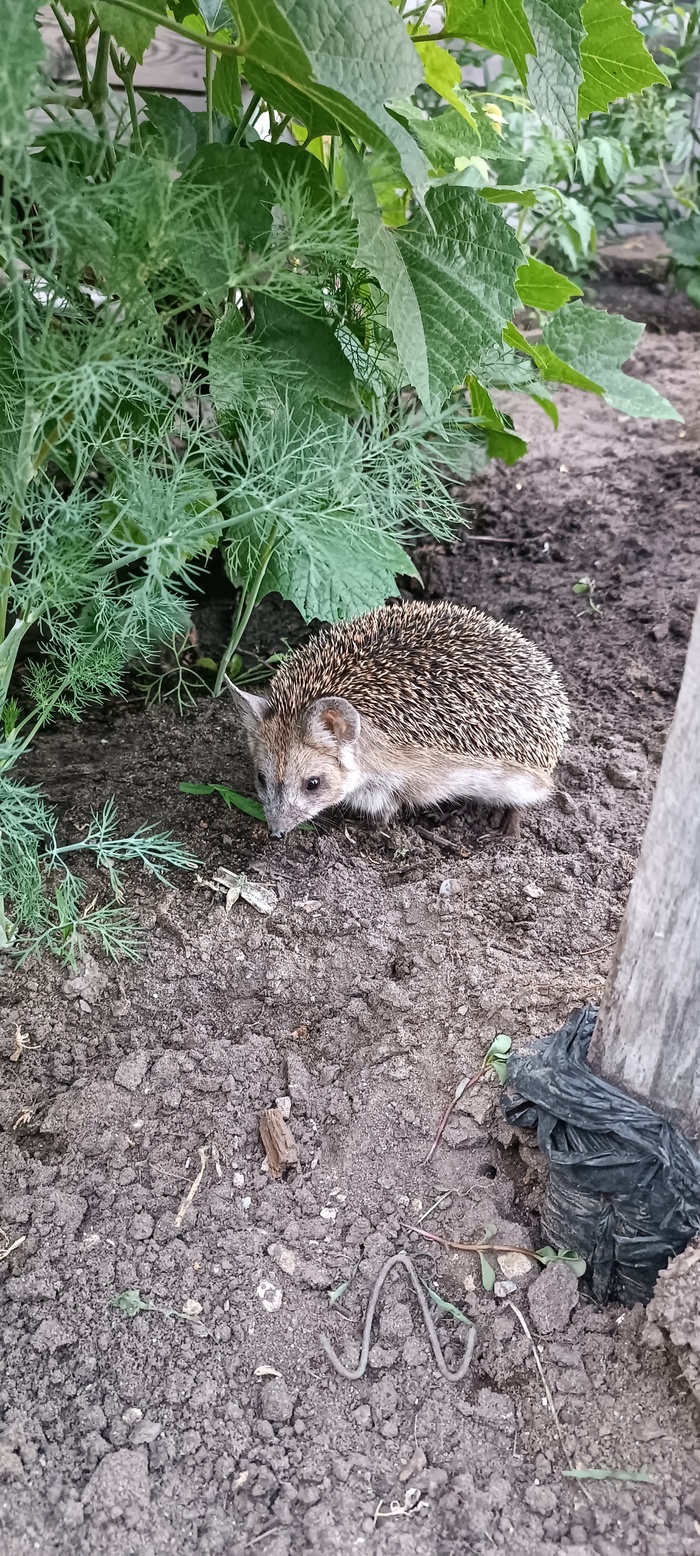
x=447 y=1307
x=351 y=60
x=460 y=259
x=20 y=56
x=319 y=364
x=598 y=343
x=554 y=74
x=449 y=139
x=636 y=1475
x=539 y=286
x=181 y=134
x=443 y=74
x=614 y=56
x=226 y=87
x=552 y=367
x=563 y=1256
x=500 y=1046
x=488 y=1274
x=130 y=1303
x=378 y=253
x=498 y=25
x=499 y=195
x=332 y=574
x=131 y=32
x=224 y=199
x=229 y=796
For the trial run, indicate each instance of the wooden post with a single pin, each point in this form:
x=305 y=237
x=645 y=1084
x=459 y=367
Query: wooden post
x=647 y=1036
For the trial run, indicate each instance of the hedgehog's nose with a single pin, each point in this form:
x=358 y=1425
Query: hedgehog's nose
x=276 y=836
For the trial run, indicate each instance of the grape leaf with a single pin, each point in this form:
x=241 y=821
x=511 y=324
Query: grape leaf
x=443 y=74
x=350 y=59
x=448 y=136
x=226 y=87
x=614 y=56
x=539 y=286
x=499 y=25
x=597 y=343
x=131 y=32
x=313 y=348
x=181 y=133
x=554 y=73
x=332 y=573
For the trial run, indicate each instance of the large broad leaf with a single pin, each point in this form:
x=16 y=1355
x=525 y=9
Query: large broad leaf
x=226 y=87
x=554 y=369
x=180 y=133
x=224 y=198
x=461 y=261
x=316 y=359
x=554 y=74
x=449 y=279
x=539 y=286
x=597 y=344
x=443 y=74
x=350 y=58
x=614 y=56
x=329 y=571
x=132 y=32
x=21 y=51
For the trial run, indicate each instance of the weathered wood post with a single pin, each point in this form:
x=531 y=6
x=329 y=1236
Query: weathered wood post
x=647 y=1037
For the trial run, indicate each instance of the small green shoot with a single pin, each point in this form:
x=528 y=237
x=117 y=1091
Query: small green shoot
x=562 y=1256
x=488 y=1274
x=131 y=1303
x=338 y=1292
x=229 y=797
x=587 y=586
x=635 y=1475
x=446 y=1307
x=496 y=1057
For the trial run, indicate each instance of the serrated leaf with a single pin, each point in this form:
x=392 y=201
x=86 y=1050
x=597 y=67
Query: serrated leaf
x=229 y=796
x=443 y=74
x=350 y=60
x=497 y=194
x=614 y=56
x=499 y=25
x=448 y=138
x=552 y=367
x=539 y=286
x=332 y=574
x=318 y=362
x=598 y=343
x=378 y=253
x=131 y=32
x=554 y=74
x=130 y=1303
x=181 y=133
x=459 y=260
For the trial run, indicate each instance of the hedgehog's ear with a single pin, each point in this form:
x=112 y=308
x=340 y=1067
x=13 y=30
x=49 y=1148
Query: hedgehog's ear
x=331 y=721
x=252 y=710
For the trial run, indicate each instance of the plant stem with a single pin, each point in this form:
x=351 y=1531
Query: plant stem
x=97 y=95
x=246 y=606
x=280 y=128
x=23 y=475
x=209 y=89
x=124 y=69
x=183 y=32
x=244 y=121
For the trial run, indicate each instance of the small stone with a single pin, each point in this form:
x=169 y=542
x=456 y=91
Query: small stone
x=270 y=1296
x=381 y=1356
x=383 y=1400
x=533 y=891
x=284 y=1257
x=514 y=1265
x=192 y=1307
x=552 y=1298
x=504 y=1288
x=132 y=1070
x=132 y=1415
x=362 y=1417
x=621 y=777
x=660 y=631
x=540 y=1499
x=142 y=1226
x=145 y=1432
x=238 y=1180
x=450 y=887
x=284 y=1106
x=276 y=1401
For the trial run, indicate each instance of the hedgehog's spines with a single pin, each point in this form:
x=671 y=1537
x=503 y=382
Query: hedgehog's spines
x=439 y=675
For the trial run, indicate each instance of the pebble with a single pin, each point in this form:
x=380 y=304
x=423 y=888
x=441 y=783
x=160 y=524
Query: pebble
x=514 y=1265
x=621 y=777
x=540 y=1499
x=270 y=1296
x=145 y=1432
x=142 y=1226
x=276 y=1401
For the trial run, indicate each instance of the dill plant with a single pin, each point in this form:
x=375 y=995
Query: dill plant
x=268 y=328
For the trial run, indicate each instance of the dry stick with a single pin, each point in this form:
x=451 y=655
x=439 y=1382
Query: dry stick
x=546 y=1388
x=187 y=1201
x=353 y=1374
x=460 y=1091
x=441 y=842
x=5 y=1252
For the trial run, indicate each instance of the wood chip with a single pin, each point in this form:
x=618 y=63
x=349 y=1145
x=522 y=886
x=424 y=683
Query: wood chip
x=278 y=1142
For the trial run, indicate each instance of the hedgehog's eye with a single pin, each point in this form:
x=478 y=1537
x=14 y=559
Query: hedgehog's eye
x=261 y=780
x=312 y=783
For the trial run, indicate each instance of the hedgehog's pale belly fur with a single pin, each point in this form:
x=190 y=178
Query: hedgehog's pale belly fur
x=440 y=677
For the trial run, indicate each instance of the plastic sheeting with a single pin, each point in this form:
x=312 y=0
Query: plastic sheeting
x=624 y=1184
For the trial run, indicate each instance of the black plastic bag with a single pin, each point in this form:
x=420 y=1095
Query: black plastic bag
x=624 y=1184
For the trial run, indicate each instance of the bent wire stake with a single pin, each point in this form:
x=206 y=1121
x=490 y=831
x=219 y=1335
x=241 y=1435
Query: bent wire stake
x=353 y=1374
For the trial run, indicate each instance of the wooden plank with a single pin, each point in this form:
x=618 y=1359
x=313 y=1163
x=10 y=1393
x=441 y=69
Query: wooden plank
x=647 y=1037
x=171 y=64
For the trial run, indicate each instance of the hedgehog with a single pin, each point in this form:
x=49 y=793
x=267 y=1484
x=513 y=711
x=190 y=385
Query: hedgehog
x=407 y=707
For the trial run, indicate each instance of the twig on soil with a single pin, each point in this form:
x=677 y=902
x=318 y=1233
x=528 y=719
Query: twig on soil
x=446 y=1242
x=22 y=1045
x=463 y=1086
x=436 y=1204
x=523 y=1323
x=203 y=1154
x=441 y=842
x=412 y=1503
x=258 y=1537
x=353 y=1374
x=5 y=1252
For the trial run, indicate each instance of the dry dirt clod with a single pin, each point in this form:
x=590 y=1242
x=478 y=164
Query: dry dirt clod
x=279 y=1144
x=552 y=1298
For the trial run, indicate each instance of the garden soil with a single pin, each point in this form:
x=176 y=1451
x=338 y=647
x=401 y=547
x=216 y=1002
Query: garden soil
x=211 y=1420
